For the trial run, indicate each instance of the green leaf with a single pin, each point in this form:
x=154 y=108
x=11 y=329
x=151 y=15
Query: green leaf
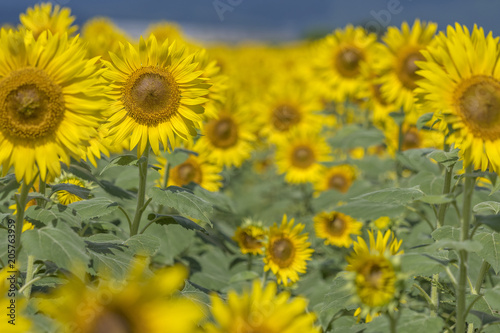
x=176 y=219
x=399 y=117
x=492 y=221
x=367 y=210
x=338 y=298
x=437 y=199
x=446 y=158
x=491 y=248
x=353 y=136
x=416 y=159
x=487 y=207
x=115 y=190
x=93 y=208
x=79 y=191
x=7 y=185
x=144 y=244
x=174 y=240
x=243 y=276
x=37 y=214
x=424 y=119
x=185 y=202
x=401 y=196
x=122 y=160
x=446 y=232
x=109 y=255
x=217 y=199
x=468 y=245
x=60 y=245
x=177 y=157
x=485 y=318
x=408 y=322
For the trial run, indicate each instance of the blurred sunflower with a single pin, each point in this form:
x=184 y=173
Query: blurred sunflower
x=412 y=138
x=382 y=222
x=250 y=237
x=397 y=69
x=336 y=228
x=287 y=251
x=261 y=310
x=341 y=57
x=374 y=272
x=102 y=36
x=300 y=157
x=461 y=84
x=339 y=177
x=44 y=17
x=157 y=94
x=51 y=99
x=166 y=31
x=142 y=304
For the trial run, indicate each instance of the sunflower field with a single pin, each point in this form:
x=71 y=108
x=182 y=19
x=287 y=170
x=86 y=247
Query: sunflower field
x=344 y=184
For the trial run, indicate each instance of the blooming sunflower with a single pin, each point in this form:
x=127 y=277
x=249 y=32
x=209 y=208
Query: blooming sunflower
x=374 y=272
x=336 y=228
x=397 y=69
x=287 y=251
x=341 y=57
x=44 y=17
x=250 y=237
x=196 y=169
x=300 y=157
x=158 y=94
x=51 y=99
x=461 y=83
x=339 y=177
x=261 y=310
x=139 y=305
x=102 y=36
x=65 y=197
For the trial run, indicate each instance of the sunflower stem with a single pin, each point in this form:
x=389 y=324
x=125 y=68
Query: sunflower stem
x=393 y=321
x=434 y=295
x=399 y=166
x=141 y=194
x=446 y=190
x=264 y=278
x=29 y=276
x=463 y=255
x=485 y=268
x=249 y=262
x=21 y=201
x=42 y=187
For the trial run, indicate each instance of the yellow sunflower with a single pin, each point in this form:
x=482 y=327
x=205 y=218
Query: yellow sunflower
x=374 y=272
x=397 y=69
x=301 y=156
x=382 y=222
x=250 y=237
x=196 y=169
x=461 y=84
x=157 y=94
x=341 y=57
x=102 y=36
x=287 y=251
x=336 y=228
x=413 y=138
x=51 y=99
x=65 y=197
x=339 y=177
x=261 y=310
x=44 y=17
x=143 y=304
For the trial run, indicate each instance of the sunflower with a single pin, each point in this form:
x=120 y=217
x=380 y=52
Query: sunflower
x=339 y=177
x=143 y=304
x=397 y=69
x=44 y=17
x=287 y=251
x=227 y=140
x=382 y=222
x=300 y=157
x=65 y=197
x=158 y=94
x=250 y=237
x=165 y=31
x=341 y=58
x=196 y=169
x=336 y=228
x=461 y=83
x=261 y=310
x=412 y=138
x=51 y=99
x=33 y=202
x=102 y=36
x=374 y=272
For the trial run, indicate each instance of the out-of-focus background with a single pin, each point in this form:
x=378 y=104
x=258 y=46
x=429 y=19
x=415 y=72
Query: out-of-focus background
x=237 y=20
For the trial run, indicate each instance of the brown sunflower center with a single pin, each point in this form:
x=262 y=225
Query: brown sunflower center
x=338 y=182
x=250 y=242
x=112 y=322
x=186 y=173
x=378 y=95
x=284 y=117
x=31 y=105
x=348 y=60
x=411 y=140
x=336 y=226
x=283 y=252
x=374 y=276
x=407 y=71
x=151 y=96
x=222 y=132
x=303 y=157
x=479 y=105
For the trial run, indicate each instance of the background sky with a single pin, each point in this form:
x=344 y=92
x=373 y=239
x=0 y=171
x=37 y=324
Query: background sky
x=271 y=20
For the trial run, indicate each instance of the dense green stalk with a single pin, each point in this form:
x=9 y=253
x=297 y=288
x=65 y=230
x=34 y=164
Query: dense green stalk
x=141 y=194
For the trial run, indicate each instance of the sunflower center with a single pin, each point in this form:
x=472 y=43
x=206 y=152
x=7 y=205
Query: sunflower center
x=348 y=61
x=151 y=96
x=411 y=140
x=407 y=72
x=283 y=252
x=479 y=105
x=112 y=322
x=31 y=105
x=284 y=117
x=223 y=132
x=186 y=173
x=374 y=276
x=378 y=95
x=336 y=226
x=250 y=242
x=303 y=157
x=337 y=182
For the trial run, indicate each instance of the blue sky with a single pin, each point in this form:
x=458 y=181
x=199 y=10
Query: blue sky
x=287 y=18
